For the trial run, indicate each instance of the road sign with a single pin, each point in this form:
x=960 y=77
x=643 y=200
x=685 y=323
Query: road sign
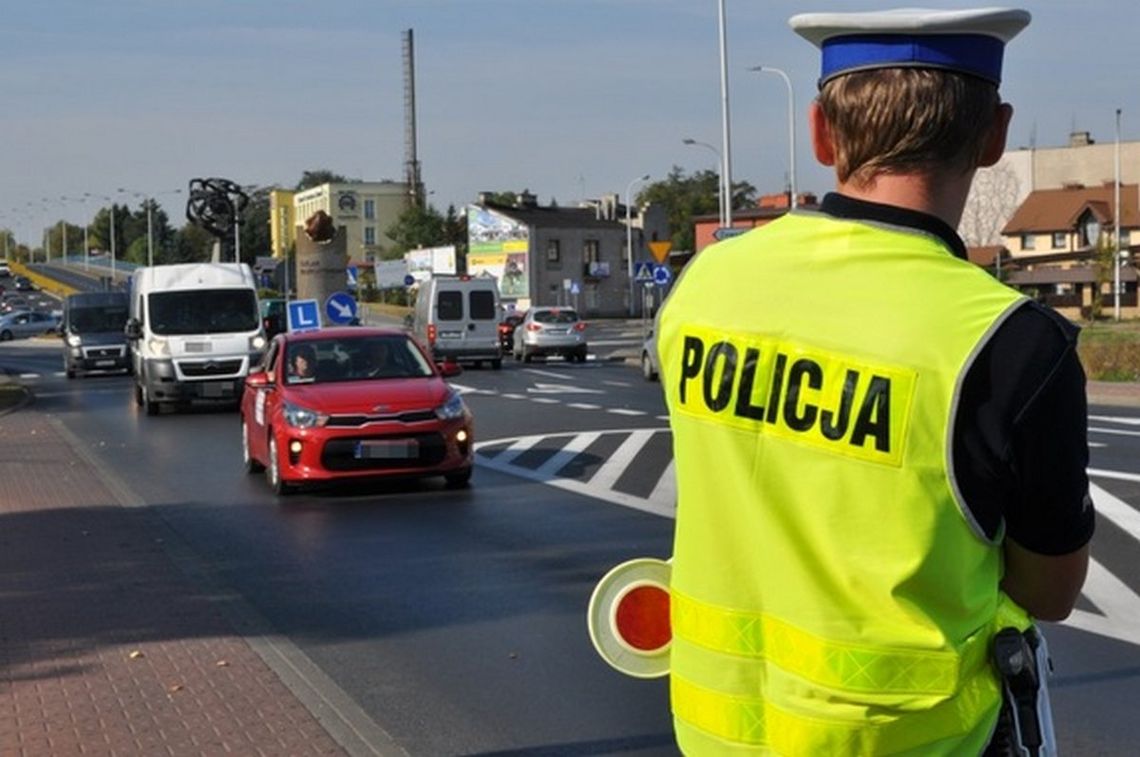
x=660 y=250
x=643 y=271
x=662 y=275
x=574 y=288
x=409 y=280
x=350 y=276
x=340 y=308
x=726 y=232
x=303 y=315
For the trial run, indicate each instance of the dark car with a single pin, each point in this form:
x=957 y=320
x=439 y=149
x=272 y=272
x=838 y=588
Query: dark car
x=22 y=284
x=507 y=330
x=346 y=404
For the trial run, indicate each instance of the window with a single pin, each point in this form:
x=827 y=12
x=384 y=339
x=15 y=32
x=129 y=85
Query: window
x=590 y=251
x=482 y=304
x=553 y=251
x=369 y=235
x=1028 y=242
x=370 y=209
x=449 y=306
x=1090 y=230
x=1058 y=240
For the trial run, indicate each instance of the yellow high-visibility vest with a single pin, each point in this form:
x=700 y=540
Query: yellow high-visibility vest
x=831 y=593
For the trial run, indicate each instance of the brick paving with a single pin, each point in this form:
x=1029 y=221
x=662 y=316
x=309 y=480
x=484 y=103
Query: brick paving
x=106 y=648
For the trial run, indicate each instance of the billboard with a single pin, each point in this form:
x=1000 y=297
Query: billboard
x=498 y=246
x=422 y=263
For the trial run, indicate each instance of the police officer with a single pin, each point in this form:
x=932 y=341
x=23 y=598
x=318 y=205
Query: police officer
x=880 y=449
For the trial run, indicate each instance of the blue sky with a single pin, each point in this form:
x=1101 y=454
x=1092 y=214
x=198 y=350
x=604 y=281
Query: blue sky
x=566 y=98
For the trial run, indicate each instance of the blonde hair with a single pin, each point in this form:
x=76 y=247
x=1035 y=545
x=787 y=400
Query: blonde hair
x=901 y=120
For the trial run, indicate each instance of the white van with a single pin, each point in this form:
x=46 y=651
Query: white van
x=457 y=317
x=195 y=331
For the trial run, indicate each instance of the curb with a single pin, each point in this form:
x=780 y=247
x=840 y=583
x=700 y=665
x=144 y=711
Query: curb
x=24 y=400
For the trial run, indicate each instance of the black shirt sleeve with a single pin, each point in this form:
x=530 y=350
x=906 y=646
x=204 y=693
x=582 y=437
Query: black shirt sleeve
x=1021 y=435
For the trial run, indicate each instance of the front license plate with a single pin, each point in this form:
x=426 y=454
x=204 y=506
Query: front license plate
x=215 y=390
x=383 y=449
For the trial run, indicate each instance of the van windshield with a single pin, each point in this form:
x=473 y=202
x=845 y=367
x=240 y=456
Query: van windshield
x=203 y=311
x=99 y=319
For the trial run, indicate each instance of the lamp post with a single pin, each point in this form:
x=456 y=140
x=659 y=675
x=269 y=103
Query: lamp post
x=720 y=183
x=726 y=153
x=1116 y=235
x=629 y=235
x=791 y=124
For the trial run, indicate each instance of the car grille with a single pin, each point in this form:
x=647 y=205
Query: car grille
x=339 y=454
x=355 y=421
x=98 y=352
x=211 y=368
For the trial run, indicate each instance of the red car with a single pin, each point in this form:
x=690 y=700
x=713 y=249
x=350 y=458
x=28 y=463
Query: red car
x=353 y=403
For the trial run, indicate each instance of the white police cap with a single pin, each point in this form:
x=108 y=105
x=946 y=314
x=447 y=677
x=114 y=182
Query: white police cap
x=967 y=41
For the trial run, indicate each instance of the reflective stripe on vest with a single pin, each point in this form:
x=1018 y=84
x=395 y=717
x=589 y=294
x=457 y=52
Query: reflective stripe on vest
x=833 y=664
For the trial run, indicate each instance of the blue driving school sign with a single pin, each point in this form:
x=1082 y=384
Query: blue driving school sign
x=340 y=308
x=304 y=315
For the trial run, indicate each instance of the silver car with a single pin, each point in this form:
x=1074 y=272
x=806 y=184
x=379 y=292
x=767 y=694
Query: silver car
x=649 y=357
x=550 y=331
x=24 y=323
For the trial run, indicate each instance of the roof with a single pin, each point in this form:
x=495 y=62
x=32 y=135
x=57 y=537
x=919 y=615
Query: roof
x=985 y=255
x=1052 y=275
x=1049 y=210
x=556 y=218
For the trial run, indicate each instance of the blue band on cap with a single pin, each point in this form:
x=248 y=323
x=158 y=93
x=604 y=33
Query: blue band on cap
x=976 y=54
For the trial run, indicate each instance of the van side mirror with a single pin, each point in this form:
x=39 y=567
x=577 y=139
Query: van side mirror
x=133 y=329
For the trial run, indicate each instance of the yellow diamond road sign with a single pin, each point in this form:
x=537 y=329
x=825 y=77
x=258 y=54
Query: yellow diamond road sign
x=660 y=250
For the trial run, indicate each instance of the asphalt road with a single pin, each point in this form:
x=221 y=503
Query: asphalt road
x=455 y=620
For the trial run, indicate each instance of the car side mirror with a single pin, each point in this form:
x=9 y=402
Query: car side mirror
x=133 y=329
x=258 y=380
x=449 y=368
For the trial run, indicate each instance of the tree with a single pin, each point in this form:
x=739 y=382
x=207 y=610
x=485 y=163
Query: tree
x=191 y=244
x=414 y=228
x=315 y=178
x=684 y=196
x=1102 y=264
x=254 y=234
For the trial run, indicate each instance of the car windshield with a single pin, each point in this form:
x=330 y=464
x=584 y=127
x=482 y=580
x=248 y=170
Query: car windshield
x=555 y=316
x=370 y=358
x=96 y=320
x=203 y=311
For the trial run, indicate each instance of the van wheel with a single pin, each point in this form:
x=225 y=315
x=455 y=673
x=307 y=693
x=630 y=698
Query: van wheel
x=138 y=394
x=149 y=405
x=273 y=470
x=5 y=335
x=497 y=364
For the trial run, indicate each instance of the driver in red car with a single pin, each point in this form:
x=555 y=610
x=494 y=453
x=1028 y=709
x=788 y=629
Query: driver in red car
x=302 y=363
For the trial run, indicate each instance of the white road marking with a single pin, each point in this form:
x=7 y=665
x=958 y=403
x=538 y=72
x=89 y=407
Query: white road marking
x=576 y=445
x=607 y=475
x=1117 y=431
x=520 y=445
x=551 y=374
x=666 y=489
x=512 y=396
x=583 y=406
x=1119 y=605
x=1097 y=444
x=624 y=411
x=1118 y=475
x=1116 y=419
x=561 y=389
x=625 y=384
x=546 y=401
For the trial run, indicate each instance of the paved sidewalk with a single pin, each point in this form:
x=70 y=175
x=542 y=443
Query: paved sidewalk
x=106 y=646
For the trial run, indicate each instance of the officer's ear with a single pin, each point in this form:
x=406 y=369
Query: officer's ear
x=821 y=142
x=995 y=139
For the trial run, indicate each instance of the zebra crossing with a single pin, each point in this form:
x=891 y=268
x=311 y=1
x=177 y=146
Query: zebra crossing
x=631 y=467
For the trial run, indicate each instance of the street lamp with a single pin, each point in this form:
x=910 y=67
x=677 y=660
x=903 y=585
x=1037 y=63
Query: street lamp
x=629 y=235
x=791 y=123
x=726 y=159
x=720 y=183
x=112 y=216
x=1116 y=236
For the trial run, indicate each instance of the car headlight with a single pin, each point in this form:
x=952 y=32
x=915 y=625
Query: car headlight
x=158 y=346
x=257 y=343
x=302 y=417
x=73 y=340
x=452 y=408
